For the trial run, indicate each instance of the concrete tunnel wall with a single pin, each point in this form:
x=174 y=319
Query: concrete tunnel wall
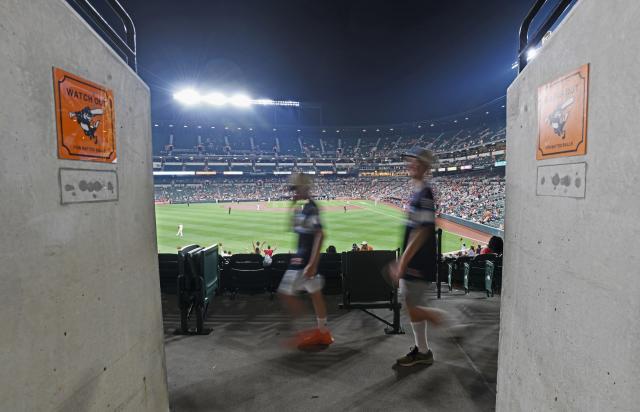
x=569 y=331
x=79 y=292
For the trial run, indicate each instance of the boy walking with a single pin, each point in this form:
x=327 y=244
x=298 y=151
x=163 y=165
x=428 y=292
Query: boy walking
x=302 y=273
x=416 y=269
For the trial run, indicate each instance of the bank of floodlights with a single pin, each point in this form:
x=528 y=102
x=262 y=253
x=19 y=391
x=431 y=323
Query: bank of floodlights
x=191 y=97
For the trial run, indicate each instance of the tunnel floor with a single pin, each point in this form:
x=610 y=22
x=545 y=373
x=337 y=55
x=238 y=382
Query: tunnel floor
x=243 y=366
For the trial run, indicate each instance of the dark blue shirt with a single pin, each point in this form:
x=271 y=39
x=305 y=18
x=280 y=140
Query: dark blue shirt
x=306 y=223
x=422 y=213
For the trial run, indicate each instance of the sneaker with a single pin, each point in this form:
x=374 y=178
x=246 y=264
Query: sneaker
x=415 y=357
x=316 y=338
x=299 y=337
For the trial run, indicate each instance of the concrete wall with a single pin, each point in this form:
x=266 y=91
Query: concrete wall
x=570 y=330
x=79 y=293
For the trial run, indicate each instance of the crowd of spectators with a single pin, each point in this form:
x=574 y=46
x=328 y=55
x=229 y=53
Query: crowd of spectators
x=474 y=197
x=313 y=142
x=479 y=199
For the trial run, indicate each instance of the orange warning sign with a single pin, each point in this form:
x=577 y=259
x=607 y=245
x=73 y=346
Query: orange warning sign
x=562 y=115
x=85 y=118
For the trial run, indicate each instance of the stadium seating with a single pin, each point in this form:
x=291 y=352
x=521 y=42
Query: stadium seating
x=456 y=272
x=186 y=284
x=248 y=274
x=168 y=265
x=330 y=266
x=493 y=277
x=474 y=272
x=279 y=265
x=364 y=287
x=197 y=283
x=476 y=197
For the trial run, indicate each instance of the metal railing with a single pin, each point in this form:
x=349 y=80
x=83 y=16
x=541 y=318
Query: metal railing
x=527 y=43
x=125 y=46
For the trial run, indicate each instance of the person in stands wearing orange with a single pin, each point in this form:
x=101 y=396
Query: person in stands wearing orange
x=365 y=247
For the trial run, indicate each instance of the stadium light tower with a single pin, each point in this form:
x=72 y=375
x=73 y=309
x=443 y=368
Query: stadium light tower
x=191 y=97
x=188 y=97
x=215 y=99
x=240 y=100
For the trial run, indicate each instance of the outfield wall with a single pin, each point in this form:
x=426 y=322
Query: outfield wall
x=570 y=328
x=79 y=291
x=478 y=227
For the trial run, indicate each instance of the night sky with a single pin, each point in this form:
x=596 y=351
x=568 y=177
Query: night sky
x=365 y=61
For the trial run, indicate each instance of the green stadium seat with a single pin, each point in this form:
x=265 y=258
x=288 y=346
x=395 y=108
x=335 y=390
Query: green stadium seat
x=248 y=274
x=168 y=268
x=456 y=272
x=474 y=272
x=364 y=287
x=279 y=265
x=330 y=266
x=493 y=276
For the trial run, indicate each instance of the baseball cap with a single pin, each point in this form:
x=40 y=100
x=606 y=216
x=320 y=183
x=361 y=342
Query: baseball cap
x=364 y=242
x=424 y=156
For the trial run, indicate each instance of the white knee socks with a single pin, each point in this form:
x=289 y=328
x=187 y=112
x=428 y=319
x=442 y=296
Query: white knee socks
x=322 y=324
x=420 y=335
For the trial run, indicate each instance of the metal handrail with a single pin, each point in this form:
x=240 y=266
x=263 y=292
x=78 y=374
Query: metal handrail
x=127 y=45
x=525 y=42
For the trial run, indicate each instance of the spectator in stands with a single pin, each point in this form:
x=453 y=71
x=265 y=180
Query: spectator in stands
x=472 y=251
x=495 y=246
x=365 y=247
x=302 y=274
x=257 y=251
x=354 y=248
x=416 y=268
x=268 y=251
x=256 y=245
x=331 y=249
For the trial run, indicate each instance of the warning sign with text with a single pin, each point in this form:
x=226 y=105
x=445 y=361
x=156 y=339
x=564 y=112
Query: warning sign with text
x=85 y=119
x=562 y=115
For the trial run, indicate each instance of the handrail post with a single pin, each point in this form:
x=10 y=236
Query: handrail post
x=127 y=45
x=525 y=43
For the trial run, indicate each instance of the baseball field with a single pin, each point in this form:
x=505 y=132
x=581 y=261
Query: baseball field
x=381 y=226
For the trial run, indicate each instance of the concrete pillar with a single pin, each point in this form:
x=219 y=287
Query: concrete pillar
x=79 y=291
x=570 y=329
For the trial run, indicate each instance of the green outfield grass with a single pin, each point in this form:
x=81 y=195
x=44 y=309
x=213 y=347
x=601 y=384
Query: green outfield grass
x=208 y=223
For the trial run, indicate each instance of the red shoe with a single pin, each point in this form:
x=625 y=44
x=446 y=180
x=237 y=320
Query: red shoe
x=299 y=338
x=316 y=338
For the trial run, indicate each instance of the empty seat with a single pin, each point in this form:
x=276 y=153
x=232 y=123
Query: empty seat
x=474 y=272
x=456 y=272
x=493 y=276
x=330 y=266
x=364 y=287
x=279 y=265
x=168 y=267
x=248 y=274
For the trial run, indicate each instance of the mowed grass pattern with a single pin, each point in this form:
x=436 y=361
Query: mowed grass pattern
x=380 y=225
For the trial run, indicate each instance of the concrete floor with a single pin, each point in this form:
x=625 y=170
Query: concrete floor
x=242 y=366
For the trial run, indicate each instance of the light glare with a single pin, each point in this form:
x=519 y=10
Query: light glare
x=240 y=100
x=215 y=99
x=188 y=97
